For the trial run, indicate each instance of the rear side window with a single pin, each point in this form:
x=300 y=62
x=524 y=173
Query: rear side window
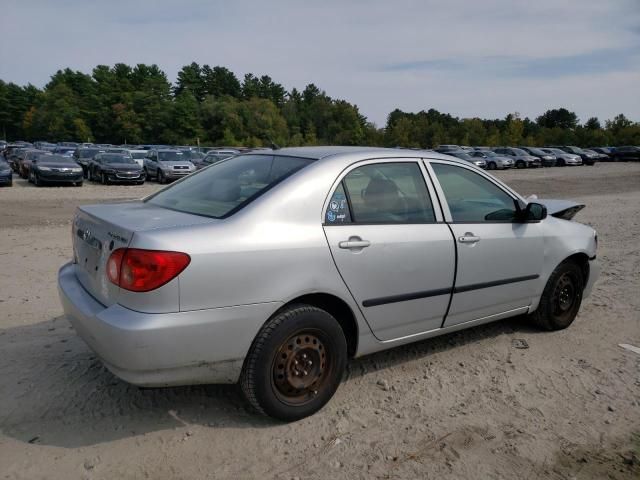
x=227 y=186
x=388 y=193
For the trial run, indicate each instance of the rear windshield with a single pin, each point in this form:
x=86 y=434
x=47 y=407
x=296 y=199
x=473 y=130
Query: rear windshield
x=226 y=187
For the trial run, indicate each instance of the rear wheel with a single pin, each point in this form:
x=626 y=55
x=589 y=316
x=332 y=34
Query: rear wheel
x=520 y=164
x=161 y=177
x=561 y=298
x=295 y=363
x=491 y=165
x=36 y=180
x=103 y=179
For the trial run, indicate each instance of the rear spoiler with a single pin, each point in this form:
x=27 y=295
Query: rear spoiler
x=565 y=209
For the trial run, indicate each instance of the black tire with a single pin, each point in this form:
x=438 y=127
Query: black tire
x=275 y=379
x=36 y=180
x=561 y=162
x=561 y=298
x=78 y=184
x=161 y=178
x=140 y=183
x=520 y=164
x=103 y=179
x=491 y=166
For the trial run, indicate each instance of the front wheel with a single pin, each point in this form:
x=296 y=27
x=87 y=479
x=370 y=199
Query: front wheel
x=561 y=298
x=161 y=178
x=295 y=363
x=492 y=166
x=520 y=164
x=103 y=179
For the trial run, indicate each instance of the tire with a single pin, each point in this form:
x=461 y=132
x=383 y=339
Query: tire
x=30 y=178
x=103 y=179
x=36 y=180
x=161 y=179
x=78 y=184
x=140 y=183
x=274 y=379
x=561 y=298
x=146 y=173
x=561 y=163
x=491 y=166
x=520 y=164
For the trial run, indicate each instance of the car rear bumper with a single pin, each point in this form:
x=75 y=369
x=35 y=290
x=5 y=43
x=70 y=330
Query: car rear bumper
x=163 y=349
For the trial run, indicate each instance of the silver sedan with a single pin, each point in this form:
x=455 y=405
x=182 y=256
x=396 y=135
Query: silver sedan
x=273 y=268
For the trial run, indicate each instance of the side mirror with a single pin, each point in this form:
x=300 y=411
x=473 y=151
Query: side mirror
x=534 y=212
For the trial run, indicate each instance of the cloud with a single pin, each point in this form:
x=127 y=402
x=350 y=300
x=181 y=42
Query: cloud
x=465 y=57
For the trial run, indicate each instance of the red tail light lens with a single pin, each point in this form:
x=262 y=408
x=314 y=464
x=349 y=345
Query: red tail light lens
x=144 y=270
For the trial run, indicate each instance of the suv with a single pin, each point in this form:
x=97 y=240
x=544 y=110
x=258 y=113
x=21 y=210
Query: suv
x=165 y=165
x=521 y=158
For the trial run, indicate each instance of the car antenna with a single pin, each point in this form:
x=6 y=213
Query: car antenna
x=273 y=145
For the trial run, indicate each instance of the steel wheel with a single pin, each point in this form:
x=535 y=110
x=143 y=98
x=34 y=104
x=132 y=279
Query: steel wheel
x=300 y=368
x=295 y=363
x=561 y=298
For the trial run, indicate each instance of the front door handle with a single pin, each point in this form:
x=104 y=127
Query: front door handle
x=354 y=243
x=468 y=238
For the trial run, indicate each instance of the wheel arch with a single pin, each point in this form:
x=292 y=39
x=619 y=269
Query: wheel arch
x=338 y=308
x=582 y=260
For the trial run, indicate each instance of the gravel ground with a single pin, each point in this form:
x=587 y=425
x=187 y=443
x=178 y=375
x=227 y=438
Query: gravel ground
x=467 y=405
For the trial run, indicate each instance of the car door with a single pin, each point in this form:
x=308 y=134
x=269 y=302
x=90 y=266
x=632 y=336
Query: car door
x=391 y=247
x=499 y=257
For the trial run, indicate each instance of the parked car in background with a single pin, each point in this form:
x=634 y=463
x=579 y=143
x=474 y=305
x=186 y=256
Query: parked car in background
x=3 y=145
x=563 y=159
x=626 y=153
x=201 y=284
x=214 y=156
x=83 y=155
x=493 y=160
x=607 y=152
x=166 y=165
x=546 y=159
x=6 y=174
x=55 y=168
x=521 y=159
x=11 y=153
x=109 y=168
x=587 y=158
x=48 y=146
x=26 y=159
x=65 y=150
x=463 y=155
x=599 y=157
x=138 y=155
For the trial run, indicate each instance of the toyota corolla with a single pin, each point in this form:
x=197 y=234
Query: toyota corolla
x=272 y=269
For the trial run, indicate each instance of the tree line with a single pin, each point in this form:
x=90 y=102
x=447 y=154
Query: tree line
x=211 y=105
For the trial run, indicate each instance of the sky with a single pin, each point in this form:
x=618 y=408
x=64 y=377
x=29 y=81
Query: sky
x=469 y=58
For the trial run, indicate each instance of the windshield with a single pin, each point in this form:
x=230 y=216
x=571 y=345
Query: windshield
x=536 y=151
x=172 y=157
x=117 y=158
x=519 y=151
x=462 y=155
x=557 y=150
x=224 y=188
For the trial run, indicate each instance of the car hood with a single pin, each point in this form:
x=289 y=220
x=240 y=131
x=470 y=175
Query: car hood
x=565 y=209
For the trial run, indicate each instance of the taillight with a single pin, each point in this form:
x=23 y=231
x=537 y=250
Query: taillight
x=144 y=270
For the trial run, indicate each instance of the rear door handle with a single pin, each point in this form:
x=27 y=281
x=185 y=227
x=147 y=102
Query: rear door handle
x=468 y=238
x=354 y=243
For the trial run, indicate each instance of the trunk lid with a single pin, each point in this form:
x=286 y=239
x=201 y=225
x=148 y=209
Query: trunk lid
x=99 y=229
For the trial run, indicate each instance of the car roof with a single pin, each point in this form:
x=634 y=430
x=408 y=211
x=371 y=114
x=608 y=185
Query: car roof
x=350 y=154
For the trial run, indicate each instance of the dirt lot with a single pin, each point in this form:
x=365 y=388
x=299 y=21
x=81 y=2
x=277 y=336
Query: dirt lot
x=466 y=405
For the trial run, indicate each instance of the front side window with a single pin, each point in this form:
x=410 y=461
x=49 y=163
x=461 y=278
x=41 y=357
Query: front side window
x=472 y=198
x=388 y=193
x=223 y=188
